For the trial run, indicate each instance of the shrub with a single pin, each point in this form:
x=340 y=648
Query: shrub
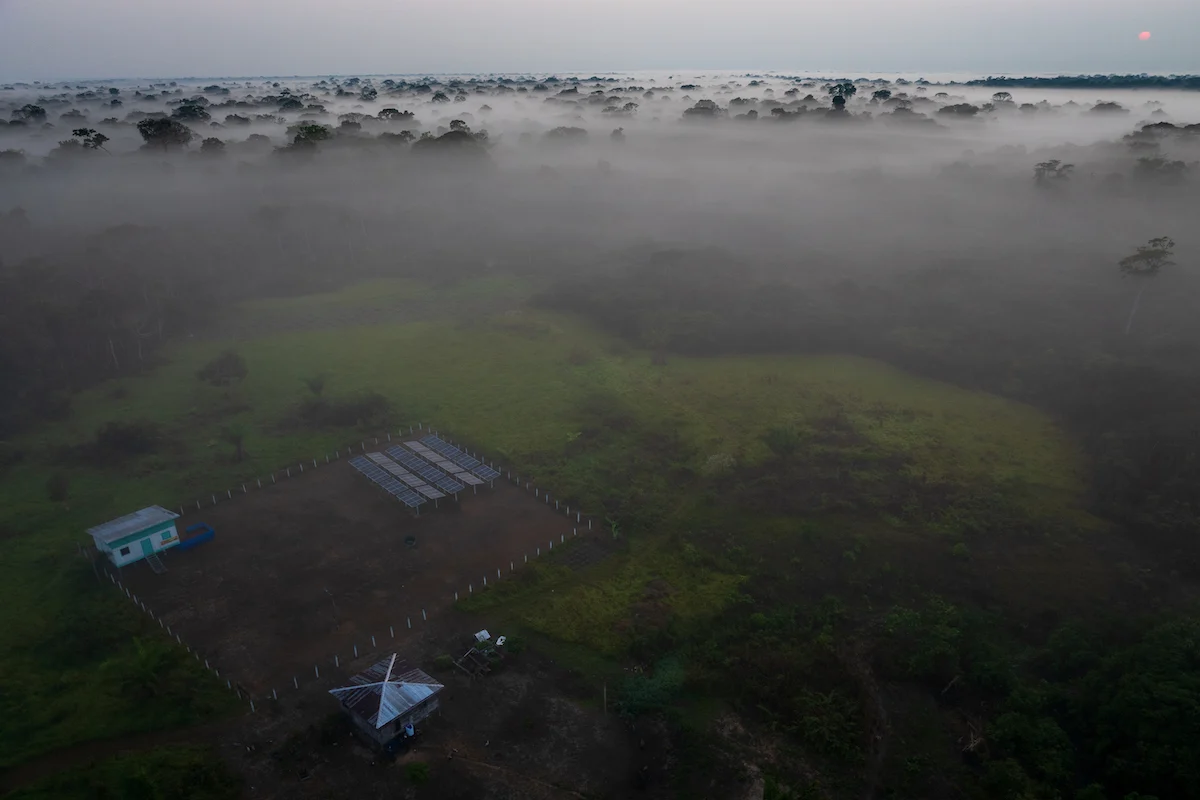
x=718 y=464
x=315 y=384
x=224 y=369
x=580 y=356
x=123 y=439
x=371 y=408
x=417 y=772
x=782 y=441
x=646 y=694
x=57 y=487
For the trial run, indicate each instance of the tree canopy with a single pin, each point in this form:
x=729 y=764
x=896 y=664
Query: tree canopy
x=165 y=133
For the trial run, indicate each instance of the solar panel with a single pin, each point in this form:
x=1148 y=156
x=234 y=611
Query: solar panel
x=464 y=461
x=429 y=473
x=468 y=478
x=415 y=483
x=385 y=480
x=453 y=469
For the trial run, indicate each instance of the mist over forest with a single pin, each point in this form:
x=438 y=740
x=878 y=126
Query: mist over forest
x=310 y=183
x=1028 y=239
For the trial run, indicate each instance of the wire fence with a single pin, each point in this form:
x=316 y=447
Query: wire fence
x=255 y=699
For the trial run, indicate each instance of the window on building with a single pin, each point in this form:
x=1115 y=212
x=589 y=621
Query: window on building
x=166 y=535
x=124 y=551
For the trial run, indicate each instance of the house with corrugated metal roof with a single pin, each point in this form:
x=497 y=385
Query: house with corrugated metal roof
x=136 y=536
x=387 y=700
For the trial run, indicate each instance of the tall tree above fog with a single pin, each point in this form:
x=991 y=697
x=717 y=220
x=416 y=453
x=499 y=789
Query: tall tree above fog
x=164 y=133
x=1047 y=172
x=1146 y=263
x=30 y=113
x=90 y=138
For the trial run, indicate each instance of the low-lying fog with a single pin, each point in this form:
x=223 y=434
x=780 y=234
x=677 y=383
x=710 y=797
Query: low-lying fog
x=759 y=166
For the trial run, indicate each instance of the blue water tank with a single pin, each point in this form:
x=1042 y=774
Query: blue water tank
x=409 y=731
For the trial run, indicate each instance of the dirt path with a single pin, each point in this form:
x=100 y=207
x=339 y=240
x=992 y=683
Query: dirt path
x=857 y=662
x=87 y=753
x=520 y=777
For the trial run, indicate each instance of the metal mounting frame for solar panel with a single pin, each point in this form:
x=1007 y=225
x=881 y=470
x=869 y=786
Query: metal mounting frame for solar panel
x=460 y=458
x=425 y=470
x=386 y=481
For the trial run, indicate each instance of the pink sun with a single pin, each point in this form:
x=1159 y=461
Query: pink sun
x=1144 y=35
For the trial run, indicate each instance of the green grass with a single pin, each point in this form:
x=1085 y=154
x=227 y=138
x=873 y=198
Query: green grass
x=79 y=663
x=508 y=384
x=609 y=605
x=386 y=294
x=180 y=773
x=554 y=399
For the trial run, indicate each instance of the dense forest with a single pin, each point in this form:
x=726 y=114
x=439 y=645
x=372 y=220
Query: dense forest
x=1094 y=82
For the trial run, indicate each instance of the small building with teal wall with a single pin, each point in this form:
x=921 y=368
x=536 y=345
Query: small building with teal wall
x=135 y=536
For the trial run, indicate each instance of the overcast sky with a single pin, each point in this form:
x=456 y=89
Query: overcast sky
x=57 y=39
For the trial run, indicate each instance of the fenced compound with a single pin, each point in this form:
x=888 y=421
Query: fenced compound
x=324 y=570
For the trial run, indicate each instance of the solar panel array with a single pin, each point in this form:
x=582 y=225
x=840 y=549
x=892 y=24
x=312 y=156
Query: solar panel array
x=458 y=472
x=404 y=476
x=387 y=481
x=449 y=451
x=425 y=470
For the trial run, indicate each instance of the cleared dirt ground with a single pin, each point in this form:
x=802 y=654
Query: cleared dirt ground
x=528 y=730
x=311 y=567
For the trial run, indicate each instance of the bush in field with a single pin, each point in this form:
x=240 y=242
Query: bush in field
x=125 y=439
x=371 y=408
x=315 y=384
x=580 y=357
x=648 y=694
x=58 y=486
x=224 y=369
x=417 y=772
x=783 y=442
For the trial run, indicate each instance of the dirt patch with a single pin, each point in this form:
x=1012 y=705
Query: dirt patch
x=318 y=564
x=520 y=732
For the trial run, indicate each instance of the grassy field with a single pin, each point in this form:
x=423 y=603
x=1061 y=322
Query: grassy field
x=180 y=773
x=582 y=414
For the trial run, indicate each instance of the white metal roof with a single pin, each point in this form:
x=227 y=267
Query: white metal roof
x=396 y=698
x=131 y=523
x=377 y=701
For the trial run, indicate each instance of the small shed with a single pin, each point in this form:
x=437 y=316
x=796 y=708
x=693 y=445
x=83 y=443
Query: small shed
x=135 y=536
x=387 y=697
